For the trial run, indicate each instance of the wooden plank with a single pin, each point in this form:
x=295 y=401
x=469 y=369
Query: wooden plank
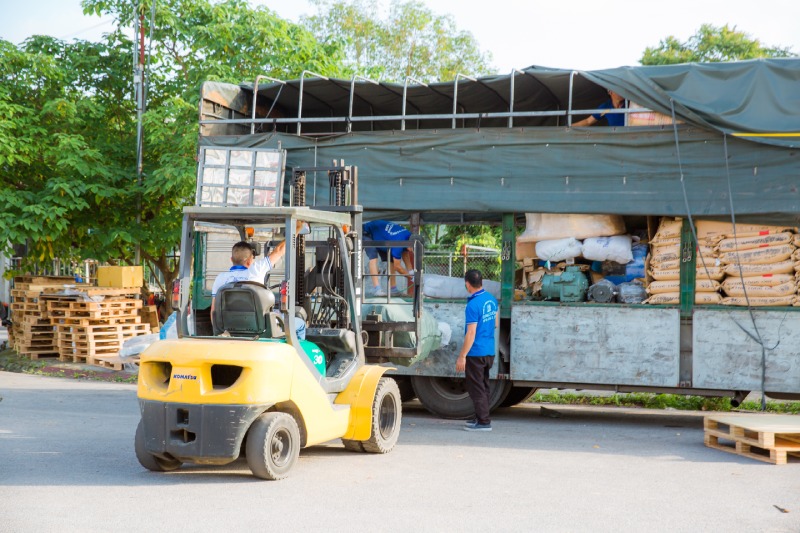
x=76 y=321
x=114 y=362
x=760 y=422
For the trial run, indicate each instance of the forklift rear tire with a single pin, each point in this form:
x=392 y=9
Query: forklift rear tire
x=387 y=412
x=147 y=459
x=448 y=398
x=273 y=445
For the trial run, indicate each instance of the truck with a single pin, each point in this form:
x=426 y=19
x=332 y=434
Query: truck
x=716 y=142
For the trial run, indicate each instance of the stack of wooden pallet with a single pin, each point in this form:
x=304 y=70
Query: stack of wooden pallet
x=770 y=438
x=91 y=326
x=32 y=334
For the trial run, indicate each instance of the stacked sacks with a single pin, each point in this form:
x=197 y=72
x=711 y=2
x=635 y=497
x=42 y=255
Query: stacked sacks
x=757 y=263
x=665 y=263
x=557 y=237
x=665 y=268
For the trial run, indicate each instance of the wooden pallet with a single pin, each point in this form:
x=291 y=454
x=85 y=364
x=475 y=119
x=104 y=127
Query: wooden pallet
x=769 y=438
x=105 y=321
x=97 y=291
x=125 y=330
x=114 y=362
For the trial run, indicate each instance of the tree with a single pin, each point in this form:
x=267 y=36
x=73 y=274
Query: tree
x=710 y=44
x=68 y=181
x=411 y=41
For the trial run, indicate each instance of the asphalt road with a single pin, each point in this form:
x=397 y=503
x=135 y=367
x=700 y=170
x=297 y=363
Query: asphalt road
x=67 y=464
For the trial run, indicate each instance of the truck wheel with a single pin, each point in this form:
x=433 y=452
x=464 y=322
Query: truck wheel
x=273 y=445
x=517 y=395
x=406 y=389
x=448 y=398
x=147 y=459
x=387 y=413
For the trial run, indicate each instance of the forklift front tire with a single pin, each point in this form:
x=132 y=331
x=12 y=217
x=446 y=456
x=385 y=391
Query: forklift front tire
x=273 y=445
x=148 y=460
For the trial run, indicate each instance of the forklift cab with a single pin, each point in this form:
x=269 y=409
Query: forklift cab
x=268 y=312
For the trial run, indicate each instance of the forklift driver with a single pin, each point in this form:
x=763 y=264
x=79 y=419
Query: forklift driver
x=248 y=267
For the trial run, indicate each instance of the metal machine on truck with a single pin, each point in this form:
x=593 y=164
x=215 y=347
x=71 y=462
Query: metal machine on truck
x=491 y=149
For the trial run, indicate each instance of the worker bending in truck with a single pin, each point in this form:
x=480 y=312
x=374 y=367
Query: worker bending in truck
x=398 y=259
x=615 y=101
x=477 y=353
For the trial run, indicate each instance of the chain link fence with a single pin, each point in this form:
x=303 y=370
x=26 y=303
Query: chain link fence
x=454 y=264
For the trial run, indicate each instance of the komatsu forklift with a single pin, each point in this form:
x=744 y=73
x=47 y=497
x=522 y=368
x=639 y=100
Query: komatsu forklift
x=248 y=385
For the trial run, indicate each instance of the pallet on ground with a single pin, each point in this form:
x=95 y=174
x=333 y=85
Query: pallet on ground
x=125 y=330
x=104 y=321
x=770 y=438
x=149 y=314
x=114 y=362
x=133 y=292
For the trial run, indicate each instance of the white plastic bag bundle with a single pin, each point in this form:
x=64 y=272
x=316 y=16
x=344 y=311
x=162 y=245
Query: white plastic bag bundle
x=136 y=345
x=447 y=288
x=617 y=249
x=559 y=249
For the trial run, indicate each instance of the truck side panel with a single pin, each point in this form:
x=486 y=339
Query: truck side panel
x=603 y=345
x=727 y=357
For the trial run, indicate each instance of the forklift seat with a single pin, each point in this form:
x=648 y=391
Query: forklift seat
x=244 y=309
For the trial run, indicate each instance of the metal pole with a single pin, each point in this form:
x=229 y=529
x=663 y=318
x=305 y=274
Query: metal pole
x=455 y=94
x=138 y=82
x=255 y=97
x=300 y=103
x=569 y=105
x=352 y=94
x=511 y=97
x=405 y=91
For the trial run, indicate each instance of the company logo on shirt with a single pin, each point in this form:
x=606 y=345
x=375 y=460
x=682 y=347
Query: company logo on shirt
x=489 y=312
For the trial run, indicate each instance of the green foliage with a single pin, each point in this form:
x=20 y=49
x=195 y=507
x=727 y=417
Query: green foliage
x=661 y=401
x=69 y=184
x=710 y=44
x=410 y=40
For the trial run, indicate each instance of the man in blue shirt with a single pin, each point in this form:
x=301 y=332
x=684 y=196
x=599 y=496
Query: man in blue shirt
x=399 y=258
x=477 y=353
x=615 y=101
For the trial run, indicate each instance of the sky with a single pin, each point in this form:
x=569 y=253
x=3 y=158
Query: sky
x=573 y=34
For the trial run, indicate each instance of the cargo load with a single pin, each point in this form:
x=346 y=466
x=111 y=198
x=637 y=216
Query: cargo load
x=548 y=227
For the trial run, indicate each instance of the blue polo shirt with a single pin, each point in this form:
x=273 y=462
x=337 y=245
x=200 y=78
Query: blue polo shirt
x=381 y=230
x=481 y=310
x=613 y=119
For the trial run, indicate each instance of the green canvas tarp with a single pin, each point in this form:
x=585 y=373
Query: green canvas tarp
x=483 y=167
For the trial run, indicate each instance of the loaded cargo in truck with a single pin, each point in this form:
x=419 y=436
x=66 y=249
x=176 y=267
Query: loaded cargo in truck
x=701 y=143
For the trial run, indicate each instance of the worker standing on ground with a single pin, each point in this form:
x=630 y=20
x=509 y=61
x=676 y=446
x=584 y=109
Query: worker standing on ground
x=398 y=258
x=615 y=101
x=477 y=353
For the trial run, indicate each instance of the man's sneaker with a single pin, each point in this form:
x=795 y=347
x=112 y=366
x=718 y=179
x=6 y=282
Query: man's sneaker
x=396 y=291
x=378 y=291
x=478 y=427
x=471 y=422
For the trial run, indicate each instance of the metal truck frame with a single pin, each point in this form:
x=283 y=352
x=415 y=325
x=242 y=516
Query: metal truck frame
x=509 y=141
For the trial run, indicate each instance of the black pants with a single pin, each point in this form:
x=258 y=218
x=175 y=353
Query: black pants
x=477 y=374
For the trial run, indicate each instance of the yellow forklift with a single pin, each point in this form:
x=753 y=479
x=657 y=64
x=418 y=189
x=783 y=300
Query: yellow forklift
x=249 y=385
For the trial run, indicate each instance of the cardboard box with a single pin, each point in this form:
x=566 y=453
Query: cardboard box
x=525 y=249
x=120 y=276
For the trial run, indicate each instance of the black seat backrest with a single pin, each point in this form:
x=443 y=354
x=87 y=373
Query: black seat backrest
x=244 y=309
